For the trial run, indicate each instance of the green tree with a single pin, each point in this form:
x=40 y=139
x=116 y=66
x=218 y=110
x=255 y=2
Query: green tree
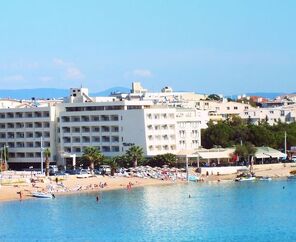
x=112 y=163
x=161 y=160
x=261 y=135
x=46 y=153
x=91 y=155
x=245 y=151
x=218 y=134
x=135 y=154
x=230 y=132
x=214 y=97
x=122 y=161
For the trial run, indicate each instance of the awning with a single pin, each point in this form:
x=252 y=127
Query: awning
x=267 y=152
x=215 y=153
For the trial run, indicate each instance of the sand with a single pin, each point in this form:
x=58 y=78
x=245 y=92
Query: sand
x=10 y=192
x=279 y=170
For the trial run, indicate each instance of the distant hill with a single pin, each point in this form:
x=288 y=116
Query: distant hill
x=36 y=92
x=270 y=95
x=59 y=93
x=52 y=93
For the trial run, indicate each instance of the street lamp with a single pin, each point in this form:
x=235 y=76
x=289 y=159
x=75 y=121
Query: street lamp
x=41 y=154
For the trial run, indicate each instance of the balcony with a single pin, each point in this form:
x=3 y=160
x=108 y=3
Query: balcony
x=115 y=129
x=85 y=139
x=95 y=139
x=115 y=139
x=105 y=129
x=95 y=129
x=28 y=115
x=85 y=129
x=105 y=139
x=114 y=118
x=10 y=115
x=76 y=140
x=95 y=118
x=75 y=119
x=85 y=119
x=29 y=125
x=105 y=118
x=65 y=119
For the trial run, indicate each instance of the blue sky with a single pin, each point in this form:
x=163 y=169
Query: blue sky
x=204 y=46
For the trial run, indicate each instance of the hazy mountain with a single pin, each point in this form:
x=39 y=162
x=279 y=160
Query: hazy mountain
x=52 y=93
x=59 y=93
x=270 y=95
x=36 y=92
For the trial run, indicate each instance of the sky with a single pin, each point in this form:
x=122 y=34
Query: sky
x=206 y=46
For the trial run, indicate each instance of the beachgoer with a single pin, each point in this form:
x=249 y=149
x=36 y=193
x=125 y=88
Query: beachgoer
x=97 y=198
x=53 y=196
x=21 y=195
x=129 y=186
x=57 y=180
x=189 y=196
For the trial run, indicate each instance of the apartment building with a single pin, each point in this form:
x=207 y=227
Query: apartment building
x=284 y=114
x=21 y=130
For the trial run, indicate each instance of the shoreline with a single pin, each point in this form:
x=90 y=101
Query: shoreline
x=68 y=184
x=10 y=192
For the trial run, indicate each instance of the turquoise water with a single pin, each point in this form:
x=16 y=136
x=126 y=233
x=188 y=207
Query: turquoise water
x=249 y=211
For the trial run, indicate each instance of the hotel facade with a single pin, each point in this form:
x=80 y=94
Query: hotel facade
x=110 y=124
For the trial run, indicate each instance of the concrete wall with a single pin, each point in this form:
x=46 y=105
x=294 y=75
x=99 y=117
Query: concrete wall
x=223 y=170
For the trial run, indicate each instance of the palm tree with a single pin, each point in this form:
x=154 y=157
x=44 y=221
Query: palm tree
x=135 y=154
x=46 y=153
x=4 y=158
x=112 y=163
x=91 y=155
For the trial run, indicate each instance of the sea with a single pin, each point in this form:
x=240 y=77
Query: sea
x=224 y=211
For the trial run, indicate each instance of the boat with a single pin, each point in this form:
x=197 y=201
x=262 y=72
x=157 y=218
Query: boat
x=42 y=195
x=264 y=178
x=247 y=178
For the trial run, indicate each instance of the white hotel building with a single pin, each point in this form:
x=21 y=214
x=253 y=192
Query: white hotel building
x=110 y=124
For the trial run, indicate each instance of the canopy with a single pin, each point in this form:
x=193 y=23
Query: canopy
x=267 y=152
x=215 y=153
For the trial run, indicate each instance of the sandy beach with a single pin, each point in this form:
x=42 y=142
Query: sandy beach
x=275 y=171
x=72 y=185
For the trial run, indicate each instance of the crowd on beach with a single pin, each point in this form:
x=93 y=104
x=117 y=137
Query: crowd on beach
x=21 y=185
x=26 y=183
